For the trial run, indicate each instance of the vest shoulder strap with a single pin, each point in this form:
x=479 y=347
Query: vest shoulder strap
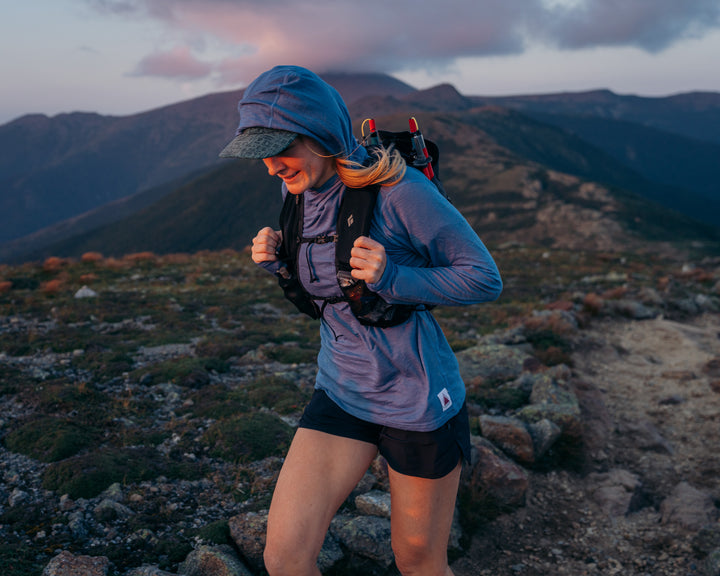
x=354 y=220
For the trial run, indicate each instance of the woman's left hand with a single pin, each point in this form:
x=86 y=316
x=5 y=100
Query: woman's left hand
x=368 y=260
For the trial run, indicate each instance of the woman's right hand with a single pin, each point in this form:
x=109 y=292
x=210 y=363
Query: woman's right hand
x=265 y=245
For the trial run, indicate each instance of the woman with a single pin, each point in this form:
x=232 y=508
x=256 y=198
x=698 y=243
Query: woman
x=395 y=390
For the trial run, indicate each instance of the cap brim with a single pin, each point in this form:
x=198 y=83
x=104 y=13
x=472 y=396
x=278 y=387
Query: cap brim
x=258 y=143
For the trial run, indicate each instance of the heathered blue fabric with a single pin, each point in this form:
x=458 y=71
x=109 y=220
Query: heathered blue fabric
x=295 y=99
x=393 y=376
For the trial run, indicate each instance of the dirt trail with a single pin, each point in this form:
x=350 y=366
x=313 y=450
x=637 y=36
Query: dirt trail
x=653 y=393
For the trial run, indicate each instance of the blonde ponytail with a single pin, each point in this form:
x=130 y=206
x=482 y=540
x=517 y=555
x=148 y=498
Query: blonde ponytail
x=388 y=168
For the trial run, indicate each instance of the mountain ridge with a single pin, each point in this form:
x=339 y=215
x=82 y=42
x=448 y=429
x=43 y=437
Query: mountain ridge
x=83 y=162
x=505 y=195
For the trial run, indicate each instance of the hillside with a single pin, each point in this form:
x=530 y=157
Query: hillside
x=52 y=169
x=209 y=212
x=132 y=183
x=673 y=143
x=511 y=176
x=695 y=115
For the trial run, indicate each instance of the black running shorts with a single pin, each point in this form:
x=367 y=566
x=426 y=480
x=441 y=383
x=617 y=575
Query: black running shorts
x=421 y=454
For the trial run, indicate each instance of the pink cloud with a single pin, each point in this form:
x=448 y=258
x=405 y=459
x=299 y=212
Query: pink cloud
x=176 y=63
x=380 y=35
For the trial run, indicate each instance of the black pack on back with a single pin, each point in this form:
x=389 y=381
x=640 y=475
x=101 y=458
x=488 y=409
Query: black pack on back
x=354 y=220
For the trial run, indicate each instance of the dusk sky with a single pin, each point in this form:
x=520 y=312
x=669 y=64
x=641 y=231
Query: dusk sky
x=125 y=56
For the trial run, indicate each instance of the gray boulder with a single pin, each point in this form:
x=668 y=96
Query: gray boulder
x=213 y=561
x=66 y=564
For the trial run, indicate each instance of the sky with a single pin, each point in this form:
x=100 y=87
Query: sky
x=119 y=57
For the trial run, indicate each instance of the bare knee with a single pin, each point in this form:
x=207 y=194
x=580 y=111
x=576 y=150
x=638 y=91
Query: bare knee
x=420 y=558
x=283 y=561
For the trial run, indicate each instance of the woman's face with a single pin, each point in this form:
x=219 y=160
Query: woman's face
x=301 y=166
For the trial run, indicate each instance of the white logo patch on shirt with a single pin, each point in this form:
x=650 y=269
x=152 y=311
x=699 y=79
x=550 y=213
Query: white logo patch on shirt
x=445 y=399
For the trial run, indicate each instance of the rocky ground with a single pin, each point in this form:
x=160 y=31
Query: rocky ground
x=595 y=417
x=645 y=502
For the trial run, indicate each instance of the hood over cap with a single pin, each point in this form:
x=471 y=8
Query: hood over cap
x=292 y=99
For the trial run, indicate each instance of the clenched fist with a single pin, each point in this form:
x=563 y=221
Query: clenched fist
x=265 y=245
x=368 y=259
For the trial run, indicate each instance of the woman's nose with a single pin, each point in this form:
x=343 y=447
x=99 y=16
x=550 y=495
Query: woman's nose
x=273 y=165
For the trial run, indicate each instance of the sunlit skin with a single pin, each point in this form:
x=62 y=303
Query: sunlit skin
x=302 y=166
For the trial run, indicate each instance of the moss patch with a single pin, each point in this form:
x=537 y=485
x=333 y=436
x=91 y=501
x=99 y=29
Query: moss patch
x=248 y=437
x=87 y=475
x=50 y=439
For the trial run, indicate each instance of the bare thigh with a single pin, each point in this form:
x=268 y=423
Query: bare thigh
x=422 y=514
x=319 y=472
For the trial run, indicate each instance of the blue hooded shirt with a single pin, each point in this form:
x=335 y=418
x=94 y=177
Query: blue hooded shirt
x=405 y=376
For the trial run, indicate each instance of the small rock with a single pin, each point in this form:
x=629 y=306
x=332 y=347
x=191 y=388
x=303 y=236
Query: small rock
x=148 y=571
x=213 y=561
x=374 y=503
x=646 y=435
x=544 y=434
x=365 y=485
x=711 y=564
x=368 y=536
x=114 y=492
x=493 y=478
x=551 y=401
x=65 y=564
x=17 y=497
x=632 y=309
x=248 y=532
x=612 y=491
x=330 y=554
x=85 y=292
x=66 y=503
x=510 y=435
x=109 y=510
x=707 y=539
x=672 y=400
x=491 y=362
x=688 y=507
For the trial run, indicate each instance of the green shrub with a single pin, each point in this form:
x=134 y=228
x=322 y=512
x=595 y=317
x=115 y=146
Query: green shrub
x=277 y=393
x=490 y=395
x=19 y=560
x=292 y=354
x=217 y=532
x=50 y=439
x=216 y=402
x=248 y=437
x=551 y=337
x=87 y=475
x=186 y=372
x=221 y=347
x=10 y=377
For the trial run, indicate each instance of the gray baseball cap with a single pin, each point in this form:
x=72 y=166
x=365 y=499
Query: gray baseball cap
x=258 y=142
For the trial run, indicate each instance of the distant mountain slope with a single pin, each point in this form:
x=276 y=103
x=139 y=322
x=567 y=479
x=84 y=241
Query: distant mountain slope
x=510 y=191
x=55 y=168
x=659 y=170
x=672 y=142
x=57 y=173
x=88 y=221
x=658 y=155
x=694 y=114
x=209 y=212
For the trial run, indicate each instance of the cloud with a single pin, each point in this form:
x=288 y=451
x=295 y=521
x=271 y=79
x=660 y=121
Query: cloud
x=652 y=25
x=176 y=63
x=249 y=36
